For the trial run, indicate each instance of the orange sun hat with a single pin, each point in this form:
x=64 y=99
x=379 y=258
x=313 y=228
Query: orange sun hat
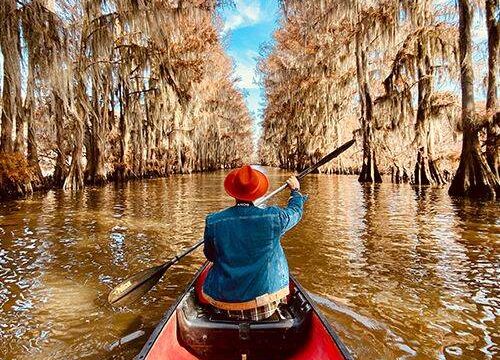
x=246 y=183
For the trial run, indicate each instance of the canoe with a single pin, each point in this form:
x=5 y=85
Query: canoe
x=297 y=331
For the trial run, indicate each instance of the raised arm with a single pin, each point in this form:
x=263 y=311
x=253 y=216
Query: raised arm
x=292 y=213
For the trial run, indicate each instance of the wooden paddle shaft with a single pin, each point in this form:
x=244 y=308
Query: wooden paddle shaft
x=184 y=253
x=307 y=171
x=265 y=198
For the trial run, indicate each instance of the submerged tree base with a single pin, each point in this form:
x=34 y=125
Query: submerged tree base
x=427 y=171
x=369 y=172
x=474 y=177
x=399 y=174
x=23 y=180
x=95 y=179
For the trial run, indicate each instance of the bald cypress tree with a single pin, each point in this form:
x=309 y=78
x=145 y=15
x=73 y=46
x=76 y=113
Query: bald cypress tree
x=116 y=90
x=474 y=177
x=493 y=128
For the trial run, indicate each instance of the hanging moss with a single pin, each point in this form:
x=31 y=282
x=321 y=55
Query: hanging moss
x=373 y=67
x=122 y=90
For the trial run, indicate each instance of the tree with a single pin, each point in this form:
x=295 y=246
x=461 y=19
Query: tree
x=473 y=178
x=116 y=90
x=493 y=128
x=427 y=50
x=320 y=73
x=369 y=170
x=11 y=95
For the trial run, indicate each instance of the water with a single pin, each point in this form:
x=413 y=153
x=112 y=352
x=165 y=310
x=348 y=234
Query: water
x=400 y=272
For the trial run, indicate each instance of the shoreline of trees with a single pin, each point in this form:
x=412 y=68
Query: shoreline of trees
x=96 y=91
x=375 y=68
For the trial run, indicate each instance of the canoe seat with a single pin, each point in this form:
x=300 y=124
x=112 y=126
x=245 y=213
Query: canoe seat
x=207 y=335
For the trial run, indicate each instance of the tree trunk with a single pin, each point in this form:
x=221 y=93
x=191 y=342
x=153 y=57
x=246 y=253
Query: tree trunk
x=32 y=156
x=96 y=173
x=369 y=170
x=474 y=177
x=493 y=131
x=426 y=170
x=33 y=162
x=122 y=169
x=74 y=180
x=11 y=96
x=19 y=143
x=61 y=170
x=78 y=111
x=137 y=133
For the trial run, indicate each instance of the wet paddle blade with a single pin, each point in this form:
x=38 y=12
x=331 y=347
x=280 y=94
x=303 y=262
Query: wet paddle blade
x=137 y=285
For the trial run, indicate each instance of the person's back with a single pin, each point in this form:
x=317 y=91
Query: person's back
x=249 y=276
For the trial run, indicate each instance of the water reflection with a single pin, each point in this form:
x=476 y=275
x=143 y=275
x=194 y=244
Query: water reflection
x=401 y=272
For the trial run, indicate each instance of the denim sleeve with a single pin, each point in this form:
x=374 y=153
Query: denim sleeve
x=208 y=243
x=292 y=213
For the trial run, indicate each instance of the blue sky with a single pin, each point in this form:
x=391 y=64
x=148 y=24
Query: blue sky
x=248 y=25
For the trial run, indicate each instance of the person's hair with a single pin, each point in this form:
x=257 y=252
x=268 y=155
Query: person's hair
x=238 y=201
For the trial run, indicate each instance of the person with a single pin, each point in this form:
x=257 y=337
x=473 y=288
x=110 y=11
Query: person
x=249 y=276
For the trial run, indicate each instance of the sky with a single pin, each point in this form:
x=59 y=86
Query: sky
x=247 y=26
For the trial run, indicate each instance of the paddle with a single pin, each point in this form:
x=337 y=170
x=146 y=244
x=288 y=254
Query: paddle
x=139 y=284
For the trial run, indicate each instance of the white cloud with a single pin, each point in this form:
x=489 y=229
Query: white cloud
x=246 y=13
x=245 y=68
x=246 y=75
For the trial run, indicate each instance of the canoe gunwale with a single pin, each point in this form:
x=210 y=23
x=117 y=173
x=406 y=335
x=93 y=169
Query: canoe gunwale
x=168 y=314
x=166 y=317
x=333 y=334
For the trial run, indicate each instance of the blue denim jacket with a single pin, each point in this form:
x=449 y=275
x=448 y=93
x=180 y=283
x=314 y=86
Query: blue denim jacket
x=243 y=242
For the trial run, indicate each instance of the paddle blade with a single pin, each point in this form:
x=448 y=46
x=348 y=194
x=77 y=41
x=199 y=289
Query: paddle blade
x=136 y=286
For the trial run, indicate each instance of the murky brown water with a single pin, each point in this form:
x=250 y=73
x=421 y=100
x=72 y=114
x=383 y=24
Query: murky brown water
x=401 y=273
